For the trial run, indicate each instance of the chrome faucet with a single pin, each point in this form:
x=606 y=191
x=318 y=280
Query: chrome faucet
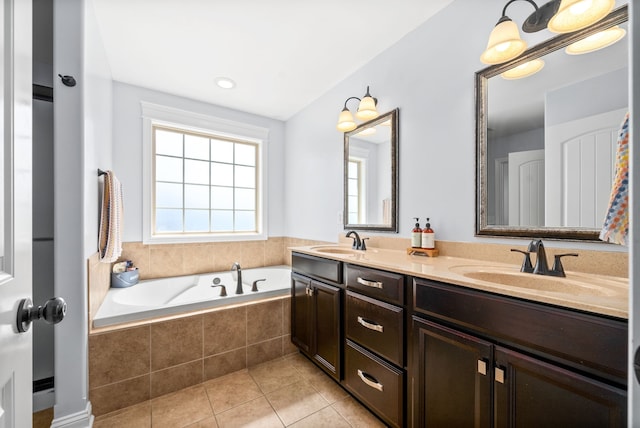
x=236 y=268
x=358 y=244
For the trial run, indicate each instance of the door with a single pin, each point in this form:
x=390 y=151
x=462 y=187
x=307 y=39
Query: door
x=15 y=211
x=458 y=369
x=301 y=312
x=526 y=188
x=532 y=393
x=326 y=326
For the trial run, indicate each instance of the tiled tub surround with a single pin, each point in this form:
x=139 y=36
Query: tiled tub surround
x=135 y=364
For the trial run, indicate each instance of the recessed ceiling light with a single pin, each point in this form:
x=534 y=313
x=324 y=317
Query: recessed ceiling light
x=225 y=82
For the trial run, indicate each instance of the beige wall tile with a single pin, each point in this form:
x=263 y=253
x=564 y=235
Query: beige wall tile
x=99 y=282
x=198 y=258
x=119 y=395
x=264 y=351
x=223 y=364
x=288 y=347
x=166 y=261
x=176 y=342
x=176 y=378
x=225 y=330
x=274 y=252
x=264 y=321
x=225 y=254
x=286 y=315
x=118 y=355
x=139 y=254
x=252 y=254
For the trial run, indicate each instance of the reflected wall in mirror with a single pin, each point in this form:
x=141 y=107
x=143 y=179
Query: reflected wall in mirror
x=546 y=143
x=370 y=175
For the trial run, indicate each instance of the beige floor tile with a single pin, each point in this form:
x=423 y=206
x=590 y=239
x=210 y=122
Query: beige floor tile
x=231 y=390
x=355 y=414
x=274 y=375
x=304 y=366
x=326 y=417
x=296 y=401
x=254 y=414
x=328 y=388
x=138 y=416
x=180 y=408
x=210 y=422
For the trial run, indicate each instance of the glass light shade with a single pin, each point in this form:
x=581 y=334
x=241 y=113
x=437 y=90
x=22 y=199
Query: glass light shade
x=574 y=15
x=367 y=109
x=345 y=121
x=368 y=131
x=504 y=43
x=596 y=41
x=523 y=70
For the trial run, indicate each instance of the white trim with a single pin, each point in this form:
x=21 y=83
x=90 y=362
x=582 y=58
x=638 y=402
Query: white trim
x=82 y=419
x=154 y=114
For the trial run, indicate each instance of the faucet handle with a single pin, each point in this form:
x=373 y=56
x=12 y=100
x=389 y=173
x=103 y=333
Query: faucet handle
x=558 y=269
x=526 y=263
x=254 y=287
x=363 y=246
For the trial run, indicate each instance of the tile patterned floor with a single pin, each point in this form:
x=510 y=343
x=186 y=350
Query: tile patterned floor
x=290 y=391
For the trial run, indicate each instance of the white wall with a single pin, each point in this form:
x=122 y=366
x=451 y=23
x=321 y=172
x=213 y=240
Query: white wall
x=82 y=142
x=127 y=151
x=429 y=76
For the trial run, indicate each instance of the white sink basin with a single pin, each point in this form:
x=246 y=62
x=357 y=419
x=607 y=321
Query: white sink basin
x=335 y=250
x=574 y=284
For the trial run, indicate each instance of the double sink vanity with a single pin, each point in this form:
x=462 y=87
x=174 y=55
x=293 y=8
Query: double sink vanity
x=449 y=341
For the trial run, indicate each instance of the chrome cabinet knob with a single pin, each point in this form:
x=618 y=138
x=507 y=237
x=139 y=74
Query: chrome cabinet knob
x=53 y=311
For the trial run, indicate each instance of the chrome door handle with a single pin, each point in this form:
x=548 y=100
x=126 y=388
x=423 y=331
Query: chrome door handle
x=374 y=284
x=370 y=381
x=370 y=326
x=53 y=311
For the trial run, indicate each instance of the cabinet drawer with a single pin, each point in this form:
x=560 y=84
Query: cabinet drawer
x=381 y=285
x=317 y=267
x=376 y=325
x=379 y=385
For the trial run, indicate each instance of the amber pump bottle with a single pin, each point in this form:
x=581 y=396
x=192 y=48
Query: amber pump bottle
x=416 y=235
x=428 y=237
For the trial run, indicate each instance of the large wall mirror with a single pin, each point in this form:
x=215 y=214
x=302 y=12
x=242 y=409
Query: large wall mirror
x=546 y=143
x=371 y=175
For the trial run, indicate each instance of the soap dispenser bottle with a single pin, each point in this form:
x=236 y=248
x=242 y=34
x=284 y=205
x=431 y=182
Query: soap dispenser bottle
x=428 y=237
x=416 y=235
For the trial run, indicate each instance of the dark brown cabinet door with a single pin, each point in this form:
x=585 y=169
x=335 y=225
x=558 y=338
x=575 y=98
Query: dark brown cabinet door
x=453 y=377
x=326 y=325
x=531 y=393
x=301 y=313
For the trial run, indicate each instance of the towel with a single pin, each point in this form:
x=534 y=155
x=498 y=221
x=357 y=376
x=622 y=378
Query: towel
x=616 y=223
x=110 y=238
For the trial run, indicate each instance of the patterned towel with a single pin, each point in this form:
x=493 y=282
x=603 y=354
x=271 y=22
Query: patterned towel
x=110 y=238
x=616 y=224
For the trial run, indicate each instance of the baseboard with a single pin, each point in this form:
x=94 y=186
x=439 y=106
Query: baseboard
x=43 y=399
x=83 y=419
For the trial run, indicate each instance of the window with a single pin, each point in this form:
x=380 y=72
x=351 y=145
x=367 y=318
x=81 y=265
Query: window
x=355 y=190
x=203 y=184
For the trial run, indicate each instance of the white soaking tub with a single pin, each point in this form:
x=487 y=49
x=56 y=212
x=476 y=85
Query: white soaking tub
x=169 y=296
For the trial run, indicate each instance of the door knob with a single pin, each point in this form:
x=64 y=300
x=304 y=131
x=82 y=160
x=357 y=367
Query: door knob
x=53 y=311
x=636 y=364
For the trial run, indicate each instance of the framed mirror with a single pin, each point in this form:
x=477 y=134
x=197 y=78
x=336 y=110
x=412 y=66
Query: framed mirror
x=546 y=143
x=371 y=175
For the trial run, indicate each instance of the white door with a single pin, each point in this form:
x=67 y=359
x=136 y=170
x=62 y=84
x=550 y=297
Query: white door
x=526 y=188
x=15 y=211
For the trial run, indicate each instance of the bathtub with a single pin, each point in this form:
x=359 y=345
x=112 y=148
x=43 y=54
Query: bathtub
x=168 y=296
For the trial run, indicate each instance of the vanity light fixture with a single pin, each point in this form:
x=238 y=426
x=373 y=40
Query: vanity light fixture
x=523 y=70
x=574 y=15
x=559 y=16
x=366 y=111
x=596 y=41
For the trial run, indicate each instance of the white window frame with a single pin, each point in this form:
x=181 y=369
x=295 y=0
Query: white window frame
x=154 y=114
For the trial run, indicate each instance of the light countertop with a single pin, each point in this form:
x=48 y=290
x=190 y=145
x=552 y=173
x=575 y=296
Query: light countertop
x=600 y=294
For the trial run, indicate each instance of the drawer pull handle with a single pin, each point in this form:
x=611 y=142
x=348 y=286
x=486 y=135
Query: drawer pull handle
x=482 y=367
x=373 y=284
x=370 y=381
x=499 y=375
x=370 y=326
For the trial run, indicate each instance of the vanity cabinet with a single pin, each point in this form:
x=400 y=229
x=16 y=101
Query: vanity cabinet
x=375 y=341
x=484 y=360
x=316 y=310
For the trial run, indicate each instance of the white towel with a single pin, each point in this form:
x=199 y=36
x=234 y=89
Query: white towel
x=110 y=238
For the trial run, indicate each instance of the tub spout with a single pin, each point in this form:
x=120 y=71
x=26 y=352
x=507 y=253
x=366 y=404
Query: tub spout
x=236 y=268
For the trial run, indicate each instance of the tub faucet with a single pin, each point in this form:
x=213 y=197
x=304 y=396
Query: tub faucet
x=236 y=268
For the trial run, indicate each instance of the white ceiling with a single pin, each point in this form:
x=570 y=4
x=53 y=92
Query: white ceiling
x=283 y=54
